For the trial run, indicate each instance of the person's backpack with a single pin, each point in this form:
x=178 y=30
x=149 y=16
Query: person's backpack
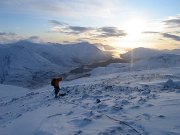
x=52 y=82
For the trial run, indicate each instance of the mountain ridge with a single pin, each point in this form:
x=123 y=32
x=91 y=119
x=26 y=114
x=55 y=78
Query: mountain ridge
x=25 y=62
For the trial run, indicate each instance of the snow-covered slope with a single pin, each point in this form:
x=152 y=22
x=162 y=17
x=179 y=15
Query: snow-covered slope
x=25 y=63
x=127 y=103
x=140 y=98
x=8 y=92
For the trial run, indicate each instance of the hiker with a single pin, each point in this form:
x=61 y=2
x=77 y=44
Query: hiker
x=55 y=83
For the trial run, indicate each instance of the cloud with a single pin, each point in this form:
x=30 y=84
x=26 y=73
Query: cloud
x=67 y=29
x=111 y=32
x=171 y=36
x=6 y=37
x=7 y=34
x=79 y=29
x=171 y=29
x=35 y=39
x=55 y=22
x=65 y=8
x=89 y=32
x=166 y=35
x=172 y=22
x=9 y=37
x=150 y=32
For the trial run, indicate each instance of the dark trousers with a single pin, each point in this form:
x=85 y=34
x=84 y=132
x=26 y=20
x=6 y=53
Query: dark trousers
x=56 y=91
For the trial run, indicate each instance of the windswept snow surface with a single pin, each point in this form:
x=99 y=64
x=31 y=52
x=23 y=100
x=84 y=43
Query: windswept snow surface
x=125 y=103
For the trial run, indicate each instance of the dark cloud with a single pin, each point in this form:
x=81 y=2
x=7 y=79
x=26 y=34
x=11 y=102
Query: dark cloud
x=33 y=38
x=7 y=34
x=13 y=37
x=6 y=37
x=111 y=32
x=79 y=29
x=65 y=28
x=91 y=32
x=166 y=35
x=56 y=23
x=108 y=29
x=173 y=22
x=171 y=36
x=150 y=32
x=2 y=33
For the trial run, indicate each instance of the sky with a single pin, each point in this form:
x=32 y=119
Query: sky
x=123 y=24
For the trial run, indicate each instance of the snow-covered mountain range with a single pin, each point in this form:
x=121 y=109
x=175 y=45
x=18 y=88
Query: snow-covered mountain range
x=143 y=59
x=140 y=98
x=145 y=53
x=151 y=59
x=25 y=63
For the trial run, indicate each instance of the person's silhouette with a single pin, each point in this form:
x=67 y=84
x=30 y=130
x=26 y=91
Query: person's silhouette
x=55 y=83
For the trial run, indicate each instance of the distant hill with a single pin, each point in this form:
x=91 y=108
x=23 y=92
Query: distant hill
x=25 y=63
x=140 y=53
x=145 y=53
x=144 y=59
x=159 y=61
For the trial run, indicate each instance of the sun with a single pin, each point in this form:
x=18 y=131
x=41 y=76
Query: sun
x=134 y=27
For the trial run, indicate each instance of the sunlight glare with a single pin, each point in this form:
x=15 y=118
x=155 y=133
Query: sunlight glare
x=135 y=26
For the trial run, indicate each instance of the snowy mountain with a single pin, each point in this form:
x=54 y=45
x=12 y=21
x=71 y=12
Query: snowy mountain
x=25 y=63
x=140 y=53
x=140 y=98
x=145 y=53
x=176 y=51
x=157 y=61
